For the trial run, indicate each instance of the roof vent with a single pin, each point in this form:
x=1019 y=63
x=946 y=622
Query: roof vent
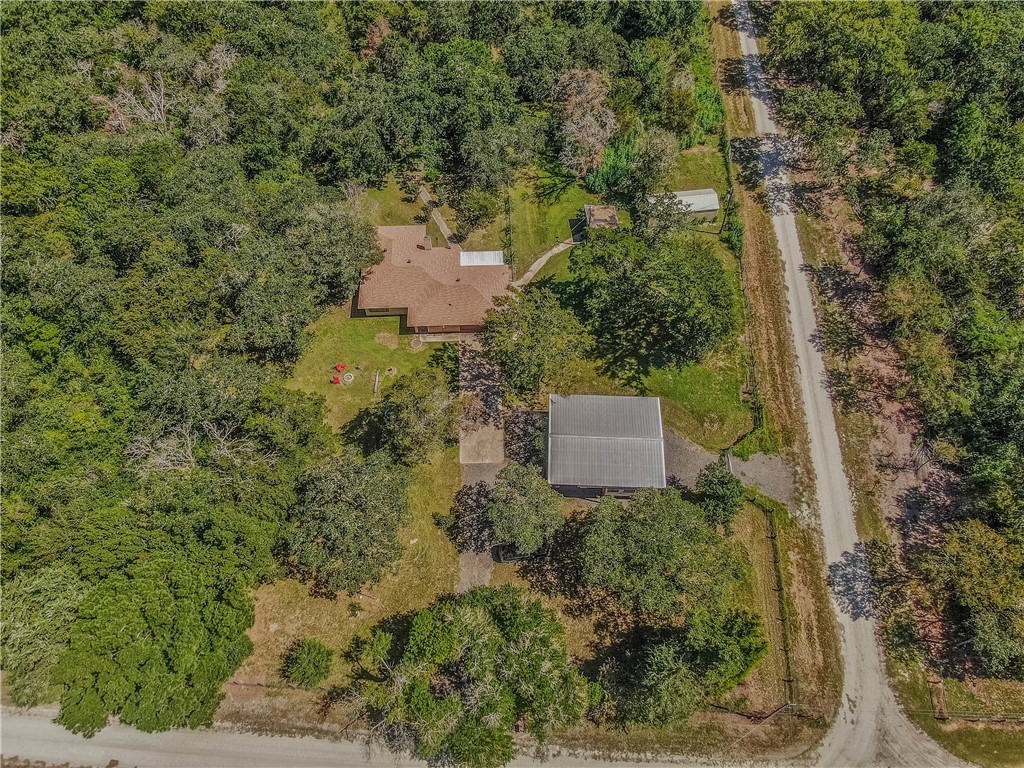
x=408 y=261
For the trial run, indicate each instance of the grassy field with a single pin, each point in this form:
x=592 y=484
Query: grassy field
x=764 y=690
x=285 y=612
x=366 y=345
x=390 y=206
x=704 y=402
x=990 y=745
x=700 y=167
x=541 y=217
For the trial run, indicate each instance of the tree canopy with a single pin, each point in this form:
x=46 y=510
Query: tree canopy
x=917 y=109
x=345 y=525
x=417 y=415
x=523 y=509
x=533 y=338
x=654 y=305
x=660 y=557
x=180 y=199
x=470 y=669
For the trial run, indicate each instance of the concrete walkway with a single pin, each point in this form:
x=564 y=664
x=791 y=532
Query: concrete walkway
x=436 y=215
x=538 y=265
x=481 y=445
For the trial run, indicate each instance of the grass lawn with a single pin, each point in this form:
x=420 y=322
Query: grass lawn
x=365 y=345
x=703 y=402
x=987 y=744
x=541 y=216
x=493 y=236
x=390 y=206
x=700 y=167
x=764 y=690
x=285 y=612
x=556 y=268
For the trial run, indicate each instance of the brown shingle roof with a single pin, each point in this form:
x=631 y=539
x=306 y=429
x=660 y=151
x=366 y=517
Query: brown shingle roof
x=429 y=282
x=599 y=216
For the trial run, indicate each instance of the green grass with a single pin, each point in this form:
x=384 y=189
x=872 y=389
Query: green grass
x=764 y=690
x=492 y=236
x=540 y=222
x=556 y=268
x=704 y=402
x=429 y=567
x=365 y=345
x=701 y=167
x=987 y=745
x=390 y=206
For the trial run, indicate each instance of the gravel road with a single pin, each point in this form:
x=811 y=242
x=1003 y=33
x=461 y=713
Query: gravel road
x=871 y=729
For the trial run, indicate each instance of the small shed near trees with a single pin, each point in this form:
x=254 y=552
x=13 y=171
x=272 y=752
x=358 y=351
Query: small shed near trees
x=605 y=443
x=601 y=216
x=700 y=204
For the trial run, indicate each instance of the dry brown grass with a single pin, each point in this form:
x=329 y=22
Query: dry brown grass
x=285 y=611
x=764 y=690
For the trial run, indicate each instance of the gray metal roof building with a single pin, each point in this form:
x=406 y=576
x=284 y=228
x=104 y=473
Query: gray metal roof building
x=599 y=441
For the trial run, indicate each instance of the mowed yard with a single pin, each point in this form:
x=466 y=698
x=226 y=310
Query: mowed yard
x=367 y=347
x=285 y=611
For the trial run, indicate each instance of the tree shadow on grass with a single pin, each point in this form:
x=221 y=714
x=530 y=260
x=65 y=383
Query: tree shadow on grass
x=467 y=524
x=553 y=181
x=559 y=574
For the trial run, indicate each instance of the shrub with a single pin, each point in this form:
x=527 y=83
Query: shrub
x=308 y=663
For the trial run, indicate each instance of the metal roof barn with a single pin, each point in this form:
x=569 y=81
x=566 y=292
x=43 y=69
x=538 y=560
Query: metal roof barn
x=600 y=441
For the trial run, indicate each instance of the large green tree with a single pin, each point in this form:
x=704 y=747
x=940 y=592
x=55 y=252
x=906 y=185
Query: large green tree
x=659 y=557
x=345 y=525
x=523 y=509
x=417 y=415
x=654 y=305
x=533 y=338
x=470 y=670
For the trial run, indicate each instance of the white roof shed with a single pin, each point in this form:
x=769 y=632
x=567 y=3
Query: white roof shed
x=698 y=200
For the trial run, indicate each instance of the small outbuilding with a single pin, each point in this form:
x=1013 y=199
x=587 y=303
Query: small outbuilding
x=601 y=216
x=605 y=443
x=700 y=204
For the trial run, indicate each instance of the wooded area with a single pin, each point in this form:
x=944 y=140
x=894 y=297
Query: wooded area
x=915 y=112
x=180 y=202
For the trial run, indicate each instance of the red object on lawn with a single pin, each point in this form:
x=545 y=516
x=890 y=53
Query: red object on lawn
x=336 y=380
x=339 y=367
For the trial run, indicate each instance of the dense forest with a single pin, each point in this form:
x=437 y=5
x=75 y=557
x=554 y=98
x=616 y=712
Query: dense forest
x=915 y=111
x=179 y=203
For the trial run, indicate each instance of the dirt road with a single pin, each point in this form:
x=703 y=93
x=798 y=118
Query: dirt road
x=33 y=736
x=871 y=729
